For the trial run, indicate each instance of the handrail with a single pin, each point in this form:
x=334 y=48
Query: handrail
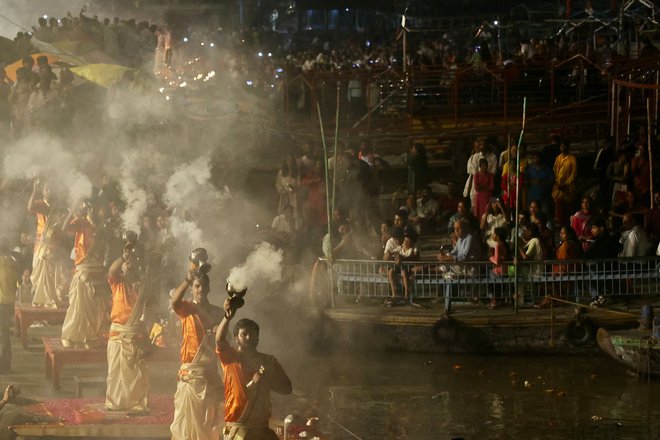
x=476 y=280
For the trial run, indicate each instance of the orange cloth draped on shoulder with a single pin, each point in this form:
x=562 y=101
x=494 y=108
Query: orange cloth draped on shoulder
x=235 y=392
x=84 y=238
x=192 y=328
x=123 y=301
x=568 y=250
x=40 y=209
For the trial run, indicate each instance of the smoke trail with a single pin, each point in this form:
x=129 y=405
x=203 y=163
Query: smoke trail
x=264 y=263
x=42 y=156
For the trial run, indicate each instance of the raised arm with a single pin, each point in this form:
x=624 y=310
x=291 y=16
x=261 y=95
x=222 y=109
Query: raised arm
x=221 y=333
x=115 y=268
x=30 y=205
x=180 y=291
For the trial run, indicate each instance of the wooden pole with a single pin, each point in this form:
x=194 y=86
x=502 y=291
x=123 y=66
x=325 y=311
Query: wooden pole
x=648 y=142
x=334 y=169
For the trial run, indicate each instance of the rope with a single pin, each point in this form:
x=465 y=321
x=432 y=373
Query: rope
x=616 y=312
x=326 y=415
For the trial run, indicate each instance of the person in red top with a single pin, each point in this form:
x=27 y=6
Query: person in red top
x=250 y=376
x=128 y=372
x=198 y=392
x=89 y=288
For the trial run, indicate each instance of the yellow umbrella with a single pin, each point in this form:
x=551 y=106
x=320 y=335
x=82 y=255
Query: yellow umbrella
x=52 y=59
x=101 y=74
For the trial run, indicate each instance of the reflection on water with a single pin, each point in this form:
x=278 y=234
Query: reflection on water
x=441 y=396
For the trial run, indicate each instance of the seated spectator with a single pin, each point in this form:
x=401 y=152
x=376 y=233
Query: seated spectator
x=410 y=206
x=427 y=212
x=401 y=221
x=628 y=205
x=580 y=222
x=399 y=248
x=500 y=255
x=495 y=217
x=634 y=240
x=569 y=249
x=530 y=251
x=467 y=247
x=462 y=213
x=546 y=233
x=603 y=245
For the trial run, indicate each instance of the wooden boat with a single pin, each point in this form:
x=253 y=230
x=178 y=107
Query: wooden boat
x=636 y=349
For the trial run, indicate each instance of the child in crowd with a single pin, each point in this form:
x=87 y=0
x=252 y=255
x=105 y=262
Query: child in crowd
x=24 y=289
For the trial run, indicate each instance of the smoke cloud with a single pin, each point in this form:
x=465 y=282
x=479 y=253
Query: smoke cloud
x=263 y=264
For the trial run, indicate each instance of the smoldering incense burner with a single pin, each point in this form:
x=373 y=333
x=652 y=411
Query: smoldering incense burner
x=199 y=260
x=236 y=300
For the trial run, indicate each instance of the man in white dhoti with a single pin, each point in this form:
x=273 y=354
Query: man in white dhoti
x=128 y=370
x=198 y=394
x=89 y=287
x=48 y=275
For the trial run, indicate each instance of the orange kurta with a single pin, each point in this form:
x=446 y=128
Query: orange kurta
x=235 y=391
x=40 y=209
x=123 y=301
x=192 y=329
x=84 y=238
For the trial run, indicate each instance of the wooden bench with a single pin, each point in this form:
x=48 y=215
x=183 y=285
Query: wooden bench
x=26 y=314
x=81 y=382
x=56 y=356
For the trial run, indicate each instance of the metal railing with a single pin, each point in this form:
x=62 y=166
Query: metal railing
x=576 y=280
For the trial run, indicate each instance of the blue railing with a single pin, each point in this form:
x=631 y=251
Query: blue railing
x=575 y=280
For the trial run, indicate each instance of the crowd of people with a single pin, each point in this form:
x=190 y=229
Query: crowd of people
x=559 y=217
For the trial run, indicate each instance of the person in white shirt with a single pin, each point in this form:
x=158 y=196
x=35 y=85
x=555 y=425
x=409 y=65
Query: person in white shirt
x=633 y=238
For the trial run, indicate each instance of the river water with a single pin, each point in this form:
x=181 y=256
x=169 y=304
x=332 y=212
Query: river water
x=443 y=396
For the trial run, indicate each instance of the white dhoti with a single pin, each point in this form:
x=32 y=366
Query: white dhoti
x=47 y=278
x=86 y=313
x=197 y=398
x=128 y=372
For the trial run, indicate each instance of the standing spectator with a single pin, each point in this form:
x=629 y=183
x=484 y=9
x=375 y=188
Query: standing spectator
x=484 y=185
x=18 y=99
x=538 y=183
x=418 y=168
x=287 y=183
x=563 y=192
x=510 y=184
x=640 y=171
x=314 y=206
x=652 y=219
x=617 y=177
x=480 y=151
x=531 y=251
x=603 y=246
x=8 y=282
x=550 y=152
x=5 y=112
